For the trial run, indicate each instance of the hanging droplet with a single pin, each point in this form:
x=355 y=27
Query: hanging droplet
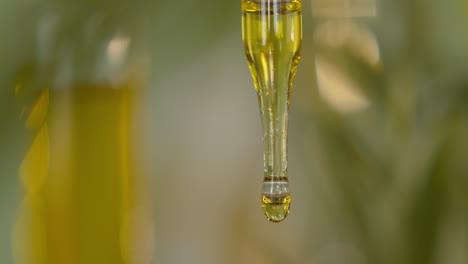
x=276 y=200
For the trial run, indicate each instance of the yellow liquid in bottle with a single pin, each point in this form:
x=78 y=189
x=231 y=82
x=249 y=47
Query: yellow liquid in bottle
x=272 y=34
x=77 y=176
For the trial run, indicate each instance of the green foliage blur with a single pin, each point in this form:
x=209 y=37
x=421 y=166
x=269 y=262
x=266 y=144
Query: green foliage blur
x=390 y=179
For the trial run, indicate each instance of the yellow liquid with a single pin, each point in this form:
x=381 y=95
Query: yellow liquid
x=276 y=208
x=77 y=177
x=272 y=33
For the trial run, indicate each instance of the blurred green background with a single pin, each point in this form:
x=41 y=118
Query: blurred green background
x=377 y=133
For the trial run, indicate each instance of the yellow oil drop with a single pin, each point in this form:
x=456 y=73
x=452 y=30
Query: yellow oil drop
x=276 y=207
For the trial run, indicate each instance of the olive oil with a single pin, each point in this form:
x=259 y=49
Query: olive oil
x=276 y=208
x=272 y=34
x=77 y=175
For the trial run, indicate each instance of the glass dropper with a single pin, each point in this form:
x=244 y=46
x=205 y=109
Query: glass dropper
x=272 y=33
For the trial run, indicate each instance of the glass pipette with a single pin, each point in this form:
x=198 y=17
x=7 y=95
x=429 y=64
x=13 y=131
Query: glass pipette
x=272 y=33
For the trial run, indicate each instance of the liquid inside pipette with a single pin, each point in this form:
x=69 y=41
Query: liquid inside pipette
x=272 y=39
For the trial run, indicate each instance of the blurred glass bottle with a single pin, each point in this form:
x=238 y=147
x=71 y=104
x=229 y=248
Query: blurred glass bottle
x=77 y=89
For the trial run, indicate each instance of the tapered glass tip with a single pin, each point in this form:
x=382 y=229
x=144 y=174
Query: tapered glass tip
x=276 y=201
